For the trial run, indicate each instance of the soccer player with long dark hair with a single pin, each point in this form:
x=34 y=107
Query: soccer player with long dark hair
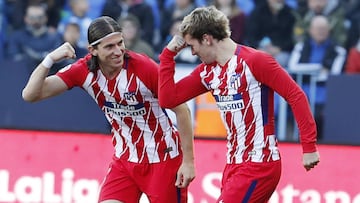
x=151 y=155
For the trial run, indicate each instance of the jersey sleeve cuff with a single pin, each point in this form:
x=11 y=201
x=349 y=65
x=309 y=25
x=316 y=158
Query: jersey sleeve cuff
x=309 y=147
x=168 y=53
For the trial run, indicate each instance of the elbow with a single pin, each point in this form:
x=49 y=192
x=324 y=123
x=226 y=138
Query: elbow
x=28 y=97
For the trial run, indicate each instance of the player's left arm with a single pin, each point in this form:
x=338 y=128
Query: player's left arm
x=186 y=172
x=282 y=83
x=311 y=159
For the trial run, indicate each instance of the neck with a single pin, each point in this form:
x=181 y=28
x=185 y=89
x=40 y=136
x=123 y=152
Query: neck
x=225 y=50
x=109 y=72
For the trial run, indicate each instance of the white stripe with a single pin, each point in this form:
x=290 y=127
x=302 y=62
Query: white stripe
x=274 y=151
x=119 y=144
x=87 y=84
x=254 y=91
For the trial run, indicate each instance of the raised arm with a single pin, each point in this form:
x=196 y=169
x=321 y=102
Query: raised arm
x=40 y=85
x=186 y=172
x=172 y=94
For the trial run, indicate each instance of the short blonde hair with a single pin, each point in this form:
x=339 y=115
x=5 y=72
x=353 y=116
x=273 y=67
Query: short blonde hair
x=206 y=20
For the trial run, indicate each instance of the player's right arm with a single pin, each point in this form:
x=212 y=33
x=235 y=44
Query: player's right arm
x=172 y=94
x=41 y=86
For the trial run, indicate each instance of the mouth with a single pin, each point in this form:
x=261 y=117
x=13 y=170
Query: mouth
x=117 y=60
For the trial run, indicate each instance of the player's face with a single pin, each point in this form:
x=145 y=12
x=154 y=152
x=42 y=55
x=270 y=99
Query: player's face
x=201 y=49
x=110 y=52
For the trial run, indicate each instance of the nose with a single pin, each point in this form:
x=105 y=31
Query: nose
x=118 y=49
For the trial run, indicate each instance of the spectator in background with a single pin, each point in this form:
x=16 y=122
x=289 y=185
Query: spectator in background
x=353 y=16
x=318 y=51
x=175 y=11
x=301 y=8
x=268 y=29
x=95 y=8
x=33 y=42
x=335 y=13
x=17 y=10
x=236 y=18
x=77 y=14
x=353 y=59
x=72 y=35
x=139 y=8
x=131 y=33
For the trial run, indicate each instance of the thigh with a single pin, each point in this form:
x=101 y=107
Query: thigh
x=118 y=186
x=250 y=182
x=161 y=187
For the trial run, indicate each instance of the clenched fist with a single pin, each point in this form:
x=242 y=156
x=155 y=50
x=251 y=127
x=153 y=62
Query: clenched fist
x=310 y=160
x=176 y=44
x=65 y=51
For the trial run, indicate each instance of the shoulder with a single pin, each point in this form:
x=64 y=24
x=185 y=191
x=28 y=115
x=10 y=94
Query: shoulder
x=82 y=62
x=142 y=65
x=19 y=34
x=74 y=75
x=140 y=59
x=144 y=68
x=251 y=54
x=257 y=61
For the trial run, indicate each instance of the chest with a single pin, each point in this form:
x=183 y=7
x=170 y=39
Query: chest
x=126 y=88
x=234 y=78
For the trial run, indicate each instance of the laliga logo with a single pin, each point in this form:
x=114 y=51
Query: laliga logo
x=42 y=189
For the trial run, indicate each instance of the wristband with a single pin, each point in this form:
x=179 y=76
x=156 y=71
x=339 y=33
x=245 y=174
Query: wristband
x=47 y=62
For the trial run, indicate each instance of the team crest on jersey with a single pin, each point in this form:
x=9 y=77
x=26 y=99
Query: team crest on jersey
x=132 y=107
x=130 y=97
x=235 y=81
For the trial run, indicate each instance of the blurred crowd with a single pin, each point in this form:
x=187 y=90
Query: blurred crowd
x=321 y=35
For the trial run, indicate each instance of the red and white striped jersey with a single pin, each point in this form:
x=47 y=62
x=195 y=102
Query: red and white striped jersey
x=244 y=92
x=142 y=131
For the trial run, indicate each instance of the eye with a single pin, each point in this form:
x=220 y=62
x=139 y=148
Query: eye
x=110 y=46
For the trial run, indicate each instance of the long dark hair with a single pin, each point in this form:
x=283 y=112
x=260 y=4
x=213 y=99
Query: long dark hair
x=99 y=28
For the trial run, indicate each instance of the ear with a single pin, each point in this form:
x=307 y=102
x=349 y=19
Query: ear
x=92 y=50
x=207 y=39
